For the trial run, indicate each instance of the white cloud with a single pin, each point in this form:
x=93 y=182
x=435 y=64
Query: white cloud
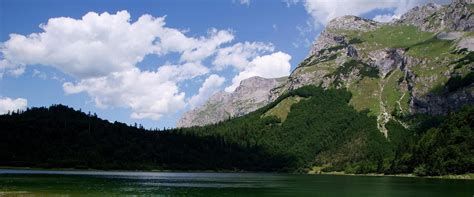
x=98 y=44
x=244 y=2
x=290 y=2
x=267 y=66
x=179 y=73
x=101 y=52
x=238 y=55
x=385 y=18
x=323 y=11
x=193 y=49
x=206 y=47
x=15 y=72
x=10 y=105
x=39 y=74
x=89 y=47
x=305 y=30
x=210 y=86
x=148 y=94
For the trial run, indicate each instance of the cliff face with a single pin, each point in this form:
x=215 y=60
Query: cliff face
x=252 y=94
x=421 y=63
x=457 y=16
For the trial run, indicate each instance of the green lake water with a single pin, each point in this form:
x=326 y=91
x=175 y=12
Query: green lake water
x=111 y=183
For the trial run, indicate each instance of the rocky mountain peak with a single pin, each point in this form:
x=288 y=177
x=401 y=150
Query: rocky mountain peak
x=331 y=37
x=251 y=94
x=254 y=83
x=349 y=22
x=421 y=63
x=418 y=14
x=456 y=16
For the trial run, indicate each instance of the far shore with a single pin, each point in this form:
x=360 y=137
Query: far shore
x=468 y=176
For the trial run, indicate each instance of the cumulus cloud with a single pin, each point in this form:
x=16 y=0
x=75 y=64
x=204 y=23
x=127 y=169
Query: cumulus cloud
x=210 y=86
x=39 y=74
x=182 y=72
x=10 y=105
x=244 y=2
x=238 y=55
x=99 y=44
x=92 y=46
x=148 y=94
x=192 y=49
x=323 y=11
x=252 y=59
x=385 y=18
x=101 y=51
x=267 y=66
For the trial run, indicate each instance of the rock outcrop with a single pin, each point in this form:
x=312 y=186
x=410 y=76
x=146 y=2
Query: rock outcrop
x=392 y=74
x=466 y=43
x=457 y=16
x=422 y=63
x=252 y=94
x=386 y=60
x=331 y=38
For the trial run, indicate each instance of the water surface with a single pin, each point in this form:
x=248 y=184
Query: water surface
x=100 y=183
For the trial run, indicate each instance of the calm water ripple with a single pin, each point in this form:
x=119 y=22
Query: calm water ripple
x=113 y=183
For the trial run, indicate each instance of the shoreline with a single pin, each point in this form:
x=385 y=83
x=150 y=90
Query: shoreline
x=124 y=170
x=468 y=176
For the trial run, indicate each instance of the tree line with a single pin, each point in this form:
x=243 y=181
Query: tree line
x=321 y=130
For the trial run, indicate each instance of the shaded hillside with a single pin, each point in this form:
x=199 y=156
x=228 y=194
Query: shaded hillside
x=320 y=130
x=61 y=137
x=399 y=68
x=420 y=64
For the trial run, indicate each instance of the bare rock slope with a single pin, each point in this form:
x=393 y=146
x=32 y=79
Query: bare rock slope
x=422 y=63
x=252 y=94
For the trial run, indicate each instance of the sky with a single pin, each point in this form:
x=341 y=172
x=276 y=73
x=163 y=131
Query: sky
x=149 y=61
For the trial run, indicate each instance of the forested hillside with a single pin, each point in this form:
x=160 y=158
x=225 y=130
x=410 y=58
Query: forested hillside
x=321 y=130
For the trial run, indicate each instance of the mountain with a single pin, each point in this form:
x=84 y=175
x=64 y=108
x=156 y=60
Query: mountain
x=421 y=63
x=370 y=98
x=456 y=16
x=61 y=137
x=251 y=94
x=321 y=132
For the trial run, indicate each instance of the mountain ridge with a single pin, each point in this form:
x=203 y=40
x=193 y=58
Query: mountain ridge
x=251 y=94
x=395 y=69
x=321 y=133
x=378 y=98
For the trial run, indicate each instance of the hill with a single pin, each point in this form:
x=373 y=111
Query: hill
x=419 y=64
x=251 y=94
x=321 y=131
x=369 y=98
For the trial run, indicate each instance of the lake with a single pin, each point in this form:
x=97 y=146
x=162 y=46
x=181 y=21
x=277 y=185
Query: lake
x=100 y=183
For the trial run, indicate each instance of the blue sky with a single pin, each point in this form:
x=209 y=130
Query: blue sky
x=148 y=61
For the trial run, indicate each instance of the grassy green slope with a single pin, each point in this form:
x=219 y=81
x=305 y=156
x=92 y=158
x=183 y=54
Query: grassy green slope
x=322 y=129
x=433 y=61
x=319 y=122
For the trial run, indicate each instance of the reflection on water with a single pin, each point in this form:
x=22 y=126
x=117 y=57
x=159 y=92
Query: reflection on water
x=99 y=183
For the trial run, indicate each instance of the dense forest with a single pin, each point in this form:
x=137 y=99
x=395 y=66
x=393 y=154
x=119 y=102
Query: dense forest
x=322 y=130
